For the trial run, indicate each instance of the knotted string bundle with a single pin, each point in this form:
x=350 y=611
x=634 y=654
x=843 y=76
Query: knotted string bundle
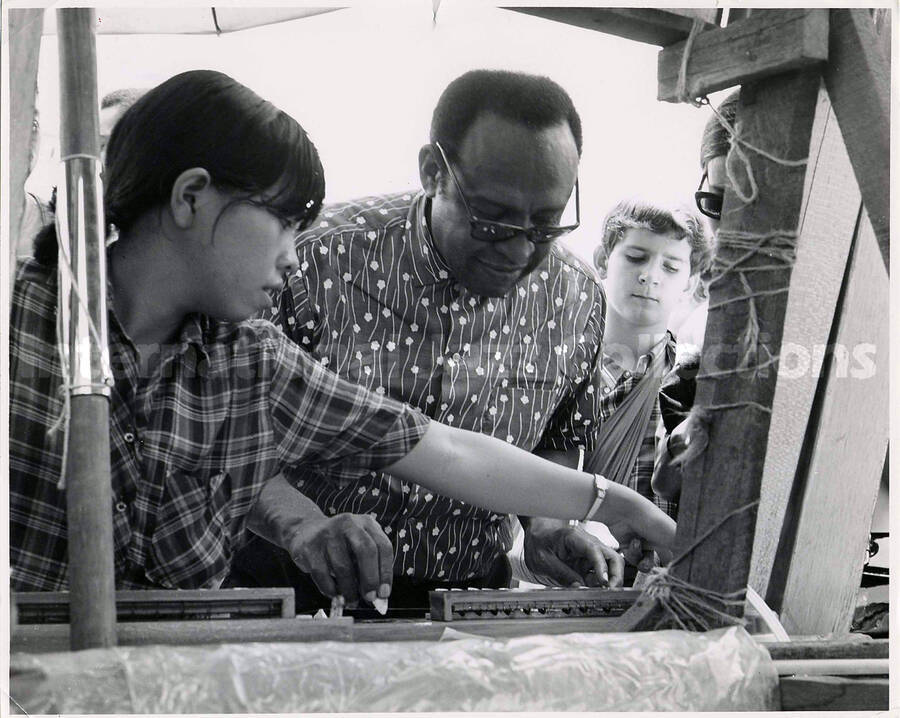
x=689 y=607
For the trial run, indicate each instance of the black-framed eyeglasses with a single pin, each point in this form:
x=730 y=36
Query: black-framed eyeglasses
x=709 y=203
x=488 y=231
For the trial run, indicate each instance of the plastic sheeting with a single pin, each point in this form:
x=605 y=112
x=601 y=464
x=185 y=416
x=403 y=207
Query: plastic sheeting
x=665 y=670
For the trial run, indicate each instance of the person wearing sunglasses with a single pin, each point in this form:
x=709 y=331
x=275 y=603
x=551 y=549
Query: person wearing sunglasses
x=458 y=300
x=714 y=147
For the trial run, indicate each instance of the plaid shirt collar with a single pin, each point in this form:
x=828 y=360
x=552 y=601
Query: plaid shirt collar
x=613 y=372
x=196 y=334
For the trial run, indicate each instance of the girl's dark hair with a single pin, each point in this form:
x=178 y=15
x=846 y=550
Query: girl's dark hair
x=204 y=118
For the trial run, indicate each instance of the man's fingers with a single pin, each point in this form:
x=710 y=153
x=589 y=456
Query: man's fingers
x=647 y=562
x=551 y=567
x=615 y=564
x=321 y=576
x=385 y=560
x=371 y=551
x=589 y=554
x=633 y=550
x=343 y=568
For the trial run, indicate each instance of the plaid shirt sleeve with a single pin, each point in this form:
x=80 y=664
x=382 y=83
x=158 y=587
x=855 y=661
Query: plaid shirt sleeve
x=323 y=420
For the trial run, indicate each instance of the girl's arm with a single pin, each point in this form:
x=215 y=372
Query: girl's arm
x=497 y=476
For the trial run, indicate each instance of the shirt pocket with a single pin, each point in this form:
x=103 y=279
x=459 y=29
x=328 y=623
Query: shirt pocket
x=191 y=545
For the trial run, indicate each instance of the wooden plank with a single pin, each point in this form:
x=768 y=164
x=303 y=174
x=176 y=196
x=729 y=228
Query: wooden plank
x=858 y=82
x=829 y=217
x=652 y=26
x=53 y=606
x=24 y=33
x=46 y=638
x=776 y=115
x=833 y=667
x=821 y=693
x=55 y=637
x=847 y=451
x=824 y=649
x=767 y=43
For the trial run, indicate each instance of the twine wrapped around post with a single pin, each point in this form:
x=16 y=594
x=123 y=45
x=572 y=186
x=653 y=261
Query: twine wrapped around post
x=688 y=607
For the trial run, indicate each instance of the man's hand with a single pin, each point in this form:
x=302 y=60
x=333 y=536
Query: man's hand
x=688 y=440
x=568 y=556
x=637 y=553
x=347 y=555
x=636 y=550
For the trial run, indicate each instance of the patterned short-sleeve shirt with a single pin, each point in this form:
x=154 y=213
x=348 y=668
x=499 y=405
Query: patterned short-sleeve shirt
x=374 y=301
x=195 y=430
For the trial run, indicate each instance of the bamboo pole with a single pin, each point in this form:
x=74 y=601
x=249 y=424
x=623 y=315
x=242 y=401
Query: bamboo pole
x=83 y=298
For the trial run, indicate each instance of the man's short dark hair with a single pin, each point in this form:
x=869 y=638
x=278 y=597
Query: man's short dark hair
x=531 y=100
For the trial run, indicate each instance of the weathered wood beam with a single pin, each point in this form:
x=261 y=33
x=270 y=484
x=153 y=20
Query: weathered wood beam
x=767 y=43
x=858 y=80
x=844 y=450
x=776 y=115
x=851 y=647
x=829 y=218
x=652 y=26
x=821 y=693
x=24 y=33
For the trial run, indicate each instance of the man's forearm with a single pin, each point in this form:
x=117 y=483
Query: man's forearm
x=279 y=510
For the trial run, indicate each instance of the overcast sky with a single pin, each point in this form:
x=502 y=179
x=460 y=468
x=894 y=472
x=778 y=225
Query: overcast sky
x=363 y=81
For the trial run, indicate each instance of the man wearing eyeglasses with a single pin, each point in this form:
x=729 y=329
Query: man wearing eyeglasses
x=458 y=300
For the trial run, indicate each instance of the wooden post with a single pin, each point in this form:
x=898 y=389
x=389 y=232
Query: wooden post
x=858 y=82
x=88 y=483
x=829 y=219
x=24 y=31
x=819 y=562
x=776 y=115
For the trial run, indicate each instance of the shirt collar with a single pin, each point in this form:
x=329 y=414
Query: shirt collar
x=666 y=343
x=194 y=332
x=422 y=260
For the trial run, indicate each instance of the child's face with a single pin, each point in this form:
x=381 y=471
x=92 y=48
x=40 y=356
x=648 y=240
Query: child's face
x=647 y=276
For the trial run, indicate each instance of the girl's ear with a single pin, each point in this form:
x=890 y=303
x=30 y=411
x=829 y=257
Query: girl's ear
x=430 y=169
x=188 y=193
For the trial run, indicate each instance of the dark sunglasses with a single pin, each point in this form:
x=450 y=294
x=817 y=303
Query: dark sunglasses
x=709 y=203
x=486 y=231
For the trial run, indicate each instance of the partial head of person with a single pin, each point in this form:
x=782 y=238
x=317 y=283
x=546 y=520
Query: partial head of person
x=714 y=148
x=500 y=173
x=220 y=180
x=650 y=259
x=112 y=107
